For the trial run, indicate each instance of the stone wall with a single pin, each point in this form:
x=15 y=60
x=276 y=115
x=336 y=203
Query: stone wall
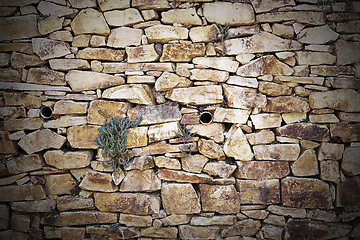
x=278 y=161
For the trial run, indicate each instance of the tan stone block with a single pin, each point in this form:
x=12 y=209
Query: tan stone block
x=245 y=98
x=70 y=107
x=306 y=164
x=293 y=117
x=20 y=60
x=18 y=99
x=135 y=93
x=125 y=67
x=124 y=36
x=101 y=110
x=127 y=17
x=329 y=171
x=68 y=160
x=161 y=148
x=214 y=131
x=215 y=220
x=314 y=58
x=302 y=80
x=59 y=184
x=84 y=218
x=135 y=221
x=266 y=65
x=65 y=36
x=169 y=81
x=317 y=35
x=169 y=163
x=287 y=152
x=345 y=100
x=64 y=232
x=180 y=176
x=331 y=151
x=286 y=104
x=65 y=203
x=101 y=54
x=220 y=169
x=25 y=163
x=209 y=75
x=258 y=170
x=310 y=18
x=350 y=164
x=140 y=181
x=23 y=124
x=261 y=137
x=246 y=227
x=90 y=21
x=210 y=149
x=174 y=219
x=68 y=64
x=243 y=81
x=181 y=16
x=65 y=121
x=96 y=181
x=231 y=115
x=81 y=40
x=236 y=145
x=202 y=95
x=142 y=204
x=266 y=120
x=345 y=131
x=113 y=4
x=282 y=30
x=203 y=33
x=191 y=232
x=21 y=27
x=6 y=146
x=274 y=89
x=287 y=211
x=82 y=136
x=251 y=193
x=194 y=163
x=313 y=193
x=268 y=5
x=48 y=48
x=273 y=219
x=167 y=233
x=20 y=222
x=40 y=140
x=220 y=63
x=165 y=33
x=144 y=53
x=182 y=52
x=50 y=24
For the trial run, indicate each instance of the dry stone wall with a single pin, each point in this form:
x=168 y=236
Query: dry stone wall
x=279 y=160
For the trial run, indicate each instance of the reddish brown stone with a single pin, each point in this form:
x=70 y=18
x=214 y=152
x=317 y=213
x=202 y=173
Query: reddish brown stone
x=191 y=232
x=305 y=193
x=286 y=104
x=246 y=227
x=259 y=192
x=261 y=169
x=221 y=199
x=297 y=229
x=346 y=132
x=182 y=52
x=21 y=193
x=348 y=194
x=305 y=131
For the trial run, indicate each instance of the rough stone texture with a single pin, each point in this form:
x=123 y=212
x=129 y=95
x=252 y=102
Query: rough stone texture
x=59 y=184
x=21 y=27
x=237 y=146
x=347 y=132
x=134 y=93
x=268 y=5
x=165 y=33
x=330 y=151
x=25 y=163
x=180 y=199
x=68 y=64
x=344 y=52
x=346 y=100
x=311 y=18
x=305 y=193
x=127 y=17
x=82 y=136
x=306 y=164
x=179 y=176
x=266 y=65
x=145 y=53
x=191 y=232
x=124 y=36
x=244 y=98
x=40 y=140
x=100 y=110
x=220 y=169
x=285 y=104
x=182 y=52
x=317 y=35
x=94 y=80
x=210 y=149
x=231 y=115
x=181 y=16
x=274 y=89
x=90 y=21
x=6 y=145
x=259 y=192
x=266 y=120
x=48 y=49
x=167 y=233
x=140 y=181
x=258 y=170
x=135 y=221
x=68 y=160
x=194 y=163
x=101 y=54
x=221 y=199
x=169 y=81
x=247 y=227
x=84 y=218
x=305 y=131
x=220 y=63
x=287 y=152
x=350 y=164
x=348 y=194
x=209 y=75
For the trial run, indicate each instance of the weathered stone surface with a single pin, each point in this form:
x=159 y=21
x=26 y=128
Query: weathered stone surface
x=162 y=148
x=65 y=121
x=203 y=33
x=135 y=221
x=50 y=24
x=266 y=65
x=17 y=47
x=220 y=63
x=344 y=52
x=6 y=145
x=305 y=193
x=12 y=234
x=314 y=58
x=331 y=151
x=259 y=43
x=82 y=136
x=221 y=199
x=220 y=169
x=347 y=132
x=65 y=203
x=317 y=35
x=100 y=110
x=25 y=163
x=97 y=181
x=40 y=140
x=181 y=16
x=167 y=233
x=21 y=193
x=182 y=52
x=258 y=170
x=210 y=149
x=127 y=17
x=68 y=64
x=306 y=164
x=246 y=227
x=163 y=131
x=215 y=220
x=165 y=33
x=303 y=229
x=274 y=89
x=68 y=160
x=84 y=218
x=64 y=232
x=231 y=115
x=259 y=192
x=180 y=199
x=48 y=8
x=234 y=13
x=23 y=124
x=214 y=131
x=124 y=36
x=242 y=97
x=142 y=204
x=261 y=137
x=90 y=21
x=113 y=4
x=329 y=171
x=237 y=146
x=209 y=75
x=154 y=114
x=20 y=222
x=7 y=74
x=256 y=214
x=175 y=220
x=124 y=67
x=344 y=82
x=194 y=163
x=268 y=5
x=20 y=60
x=323 y=118
x=180 y=176
x=310 y=18
x=348 y=194
x=165 y=162
x=144 y=53
x=169 y=81
x=287 y=211
x=101 y=54
x=350 y=164
x=287 y=152
x=298 y=79
x=202 y=95
x=266 y=120
x=140 y=181
x=21 y=27
x=346 y=100
x=305 y=131
x=286 y=104
x=34 y=206
x=243 y=81
x=48 y=48
x=191 y=232
x=59 y=184
x=135 y=93
x=93 y=80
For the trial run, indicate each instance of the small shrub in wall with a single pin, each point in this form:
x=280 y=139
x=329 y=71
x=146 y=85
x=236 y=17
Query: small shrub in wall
x=112 y=140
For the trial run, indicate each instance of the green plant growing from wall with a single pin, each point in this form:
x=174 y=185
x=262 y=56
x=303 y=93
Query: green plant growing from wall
x=221 y=36
x=185 y=136
x=112 y=139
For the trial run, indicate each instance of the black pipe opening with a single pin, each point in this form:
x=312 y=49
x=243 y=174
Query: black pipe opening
x=46 y=112
x=206 y=118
